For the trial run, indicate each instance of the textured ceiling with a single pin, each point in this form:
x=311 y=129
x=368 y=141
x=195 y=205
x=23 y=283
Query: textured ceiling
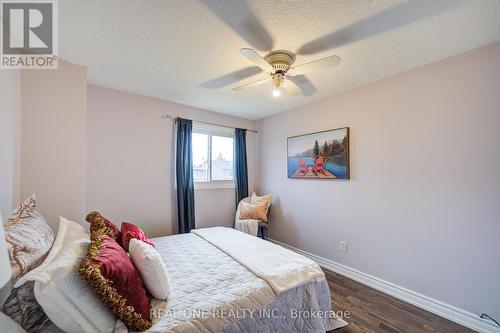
x=186 y=51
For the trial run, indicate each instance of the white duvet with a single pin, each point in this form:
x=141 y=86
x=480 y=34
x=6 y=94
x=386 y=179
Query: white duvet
x=212 y=292
x=281 y=268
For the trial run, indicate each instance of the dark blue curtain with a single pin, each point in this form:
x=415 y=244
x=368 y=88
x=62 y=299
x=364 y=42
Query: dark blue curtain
x=240 y=164
x=184 y=176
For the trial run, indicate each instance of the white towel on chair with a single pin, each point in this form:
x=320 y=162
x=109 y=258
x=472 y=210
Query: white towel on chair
x=247 y=226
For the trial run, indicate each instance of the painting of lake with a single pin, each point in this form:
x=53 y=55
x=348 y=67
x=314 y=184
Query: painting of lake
x=320 y=155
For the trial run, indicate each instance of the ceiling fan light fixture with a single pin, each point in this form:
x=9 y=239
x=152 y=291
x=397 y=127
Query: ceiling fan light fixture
x=278 y=79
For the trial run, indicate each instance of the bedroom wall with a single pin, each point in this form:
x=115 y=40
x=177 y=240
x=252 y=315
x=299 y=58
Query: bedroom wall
x=10 y=131
x=130 y=156
x=53 y=140
x=422 y=208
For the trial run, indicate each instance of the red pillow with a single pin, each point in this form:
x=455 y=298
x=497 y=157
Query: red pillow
x=109 y=272
x=130 y=231
x=97 y=221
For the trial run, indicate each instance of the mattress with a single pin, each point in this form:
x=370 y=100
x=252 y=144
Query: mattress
x=211 y=292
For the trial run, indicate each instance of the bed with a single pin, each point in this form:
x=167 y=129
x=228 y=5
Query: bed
x=221 y=280
x=213 y=292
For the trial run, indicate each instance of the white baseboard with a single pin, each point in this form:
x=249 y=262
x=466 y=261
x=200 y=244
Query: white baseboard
x=439 y=308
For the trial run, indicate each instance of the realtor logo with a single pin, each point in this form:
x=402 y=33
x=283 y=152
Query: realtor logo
x=29 y=34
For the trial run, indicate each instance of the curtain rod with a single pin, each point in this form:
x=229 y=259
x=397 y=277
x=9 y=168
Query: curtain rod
x=167 y=116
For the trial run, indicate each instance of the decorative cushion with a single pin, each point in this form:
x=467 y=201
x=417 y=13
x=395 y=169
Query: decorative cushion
x=97 y=221
x=28 y=238
x=130 y=231
x=23 y=308
x=255 y=199
x=151 y=266
x=253 y=212
x=109 y=272
x=60 y=290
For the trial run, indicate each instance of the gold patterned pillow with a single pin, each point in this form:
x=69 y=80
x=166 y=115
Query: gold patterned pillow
x=29 y=238
x=254 y=212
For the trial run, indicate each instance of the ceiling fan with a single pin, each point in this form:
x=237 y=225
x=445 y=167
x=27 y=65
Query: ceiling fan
x=279 y=66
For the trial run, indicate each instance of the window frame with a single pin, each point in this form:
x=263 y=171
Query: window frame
x=210 y=183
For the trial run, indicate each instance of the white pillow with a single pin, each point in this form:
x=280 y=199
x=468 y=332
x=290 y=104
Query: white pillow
x=255 y=199
x=148 y=261
x=59 y=289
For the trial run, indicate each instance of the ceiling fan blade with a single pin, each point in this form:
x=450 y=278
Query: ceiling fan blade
x=392 y=18
x=251 y=84
x=231 y=78
x=315 y=65
x=254 y=57
x=307 y=87
x=240 y=17
x=292 y=88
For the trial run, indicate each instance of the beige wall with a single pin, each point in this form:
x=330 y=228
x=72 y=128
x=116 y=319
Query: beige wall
x=10 y=131
x=54 y=140
x=422 y=209
x=130 y=161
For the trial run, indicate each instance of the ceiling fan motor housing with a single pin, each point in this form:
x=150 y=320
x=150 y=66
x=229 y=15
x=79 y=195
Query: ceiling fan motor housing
x=280 y=60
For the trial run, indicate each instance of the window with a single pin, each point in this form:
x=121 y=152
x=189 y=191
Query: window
x=212 y=158
x=200 y=156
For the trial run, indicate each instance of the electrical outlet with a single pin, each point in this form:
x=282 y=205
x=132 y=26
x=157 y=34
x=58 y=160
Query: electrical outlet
x=343 y=246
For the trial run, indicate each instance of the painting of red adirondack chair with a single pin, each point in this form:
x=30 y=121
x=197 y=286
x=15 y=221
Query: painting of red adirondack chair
x=320 y=155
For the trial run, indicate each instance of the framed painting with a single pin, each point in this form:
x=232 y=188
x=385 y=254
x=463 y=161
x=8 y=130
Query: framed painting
x=319 y=155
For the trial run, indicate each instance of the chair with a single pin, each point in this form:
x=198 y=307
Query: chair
x=319 y=165
x=261 y=226
x=303 y=168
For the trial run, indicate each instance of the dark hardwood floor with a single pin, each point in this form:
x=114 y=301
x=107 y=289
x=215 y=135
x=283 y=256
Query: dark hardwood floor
x=375 y=312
